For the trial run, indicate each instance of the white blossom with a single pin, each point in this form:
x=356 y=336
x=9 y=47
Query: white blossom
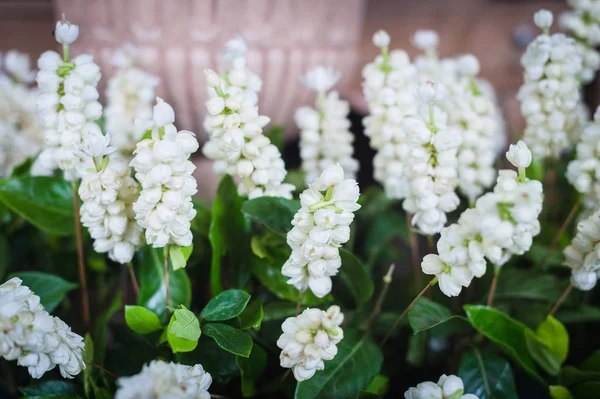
x=34 y=338
x=519 y=155
x=65 y=32
x=17 y=65
x=543 y=19
x=162 y=380
x=381 y=39
x=162 y=166
x=583 y=23
x=308 y=339
x=321 y=226
x=447 y=387
x=426 y=40
x=320 y=78
x=583 y=254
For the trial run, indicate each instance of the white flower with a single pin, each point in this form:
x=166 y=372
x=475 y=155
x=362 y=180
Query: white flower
x=212 y=79
x=164 y=208
x=583 y=255
x=34 y=338
x=543 y=19
x=235 y=48
x=583 y=22
x=65 y=32
x=18 y=66
x=381 y=39
x=320 y=78
x=308 y=339
x=519 y=155
x=160 y=379
x=321 y=226
x=425 y=39
x=447 y=387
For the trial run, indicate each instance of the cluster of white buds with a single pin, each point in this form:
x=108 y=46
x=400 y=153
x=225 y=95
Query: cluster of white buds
x=129 y=94
x=308 y=339
x=68 y=103
x=550 y=95
x=388 y=86
x=108 y=192
x=502 y=224
x=447 y=387
x=325 y=138
x=21 y=136
x=162 y=166
x=583 y=255
x=160 y=379
x=583 y=172
x=34 y=338
x=583 y=23
x=321 y=226
x=432 y=161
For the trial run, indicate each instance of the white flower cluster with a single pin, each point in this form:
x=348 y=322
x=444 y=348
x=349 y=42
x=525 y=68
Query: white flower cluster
x=447 y=387
x=21 y=136
x=162 y=166
x=502 y=224
x=108 y=192
x=325 y=138
x=583 y=255
x=389 y=85
x=432 y=161
x=130 y=94
x=34 y=338
x=308 y=339
x=321 y=226
x=164 y=380
x=583 y=23
x=68 y=104
x=236 y=140
x=583 y=172
x=550 y=95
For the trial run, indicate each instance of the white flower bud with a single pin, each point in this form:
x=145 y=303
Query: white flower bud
x=381 y=39
x=212 y=78
x=543 y=19
x=519 y=155
x=66 y=33
x=320 y=78
x=163 y=113
x=425 y=39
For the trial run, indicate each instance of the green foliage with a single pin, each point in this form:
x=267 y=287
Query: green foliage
x=426 y=314
x=100 y=325
x=379 y=385
x=227 y=305
x=252 y=316
x=45 y=202
x=273 y=212
x=183 y=330
x=4 y=255
x=356 y=277
x=142 y=320
x=251 y=368
x=50 y=388
x=49 y=287
x=486 y=375
x=548 y=345
x=560 y=392
x=180 y=255
x=231 y=339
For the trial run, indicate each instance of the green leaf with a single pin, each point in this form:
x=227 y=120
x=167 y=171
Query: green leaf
x=219 y=363
x=570 y=376
x=49 y=287
x=227 y=305
x=229 y=235
x=357 y=362
x=356 y=277
x=506 y=332
x=201 y=222
x=46 y=202
x=229 y=338
x=275 y=213
x=4 y=255
x=278 y=310
x=517 y=284
x=560 y=392
x=275 y=134
x=486 y=375
x=142 y=320
x=586 y=390
x=592 y=363
x=88 y=358
x=100 y=325
x=252 y=316
x=250 y=369
x=426 y=314
x=548 y=345
x=579 y=314
x=180 y=255
x=183 y=330
x=152 y=283
x=50 y=387
x=379 y=385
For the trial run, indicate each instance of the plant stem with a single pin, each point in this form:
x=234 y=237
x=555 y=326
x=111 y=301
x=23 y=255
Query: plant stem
x=85 y=301
x=167 y=288
x=387 y=279
x=300 y=296
x=414 y=251
x=490 y=300
x=104 y=370
x=561 y=231
x=134 y=282
x=561 y=299
x=387 y=335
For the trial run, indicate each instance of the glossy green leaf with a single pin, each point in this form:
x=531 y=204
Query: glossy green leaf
x=357 y=362
x=559 y=392
x=252 y=316
x=183 y=330
x=152 y=283
x=250 y=369
x=227 y=305
x=486 y=375
x=231 y=339
x=426 y=314
x=356 y=277
x=219 y=363
x=379 y=385
x=46 y=202
x=180 y=255
x=229 y=236
x=142 y=320
x=517 y=284
x=506 y=332
x=49 y=287
x=50 y=387
x=548 y=345
x=274 y=212
x=100 y=325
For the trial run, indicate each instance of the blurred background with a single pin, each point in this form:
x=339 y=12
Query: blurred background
x=285 y=37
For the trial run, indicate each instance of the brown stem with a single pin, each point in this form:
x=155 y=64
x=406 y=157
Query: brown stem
x=167 y=288
x=134 y=282
x=561 y=231
x=414 y=251
x=389 y=333
x=299 y=303
x=104 y=370
x=561 y=299
x=490 y=300
x=85 y=301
